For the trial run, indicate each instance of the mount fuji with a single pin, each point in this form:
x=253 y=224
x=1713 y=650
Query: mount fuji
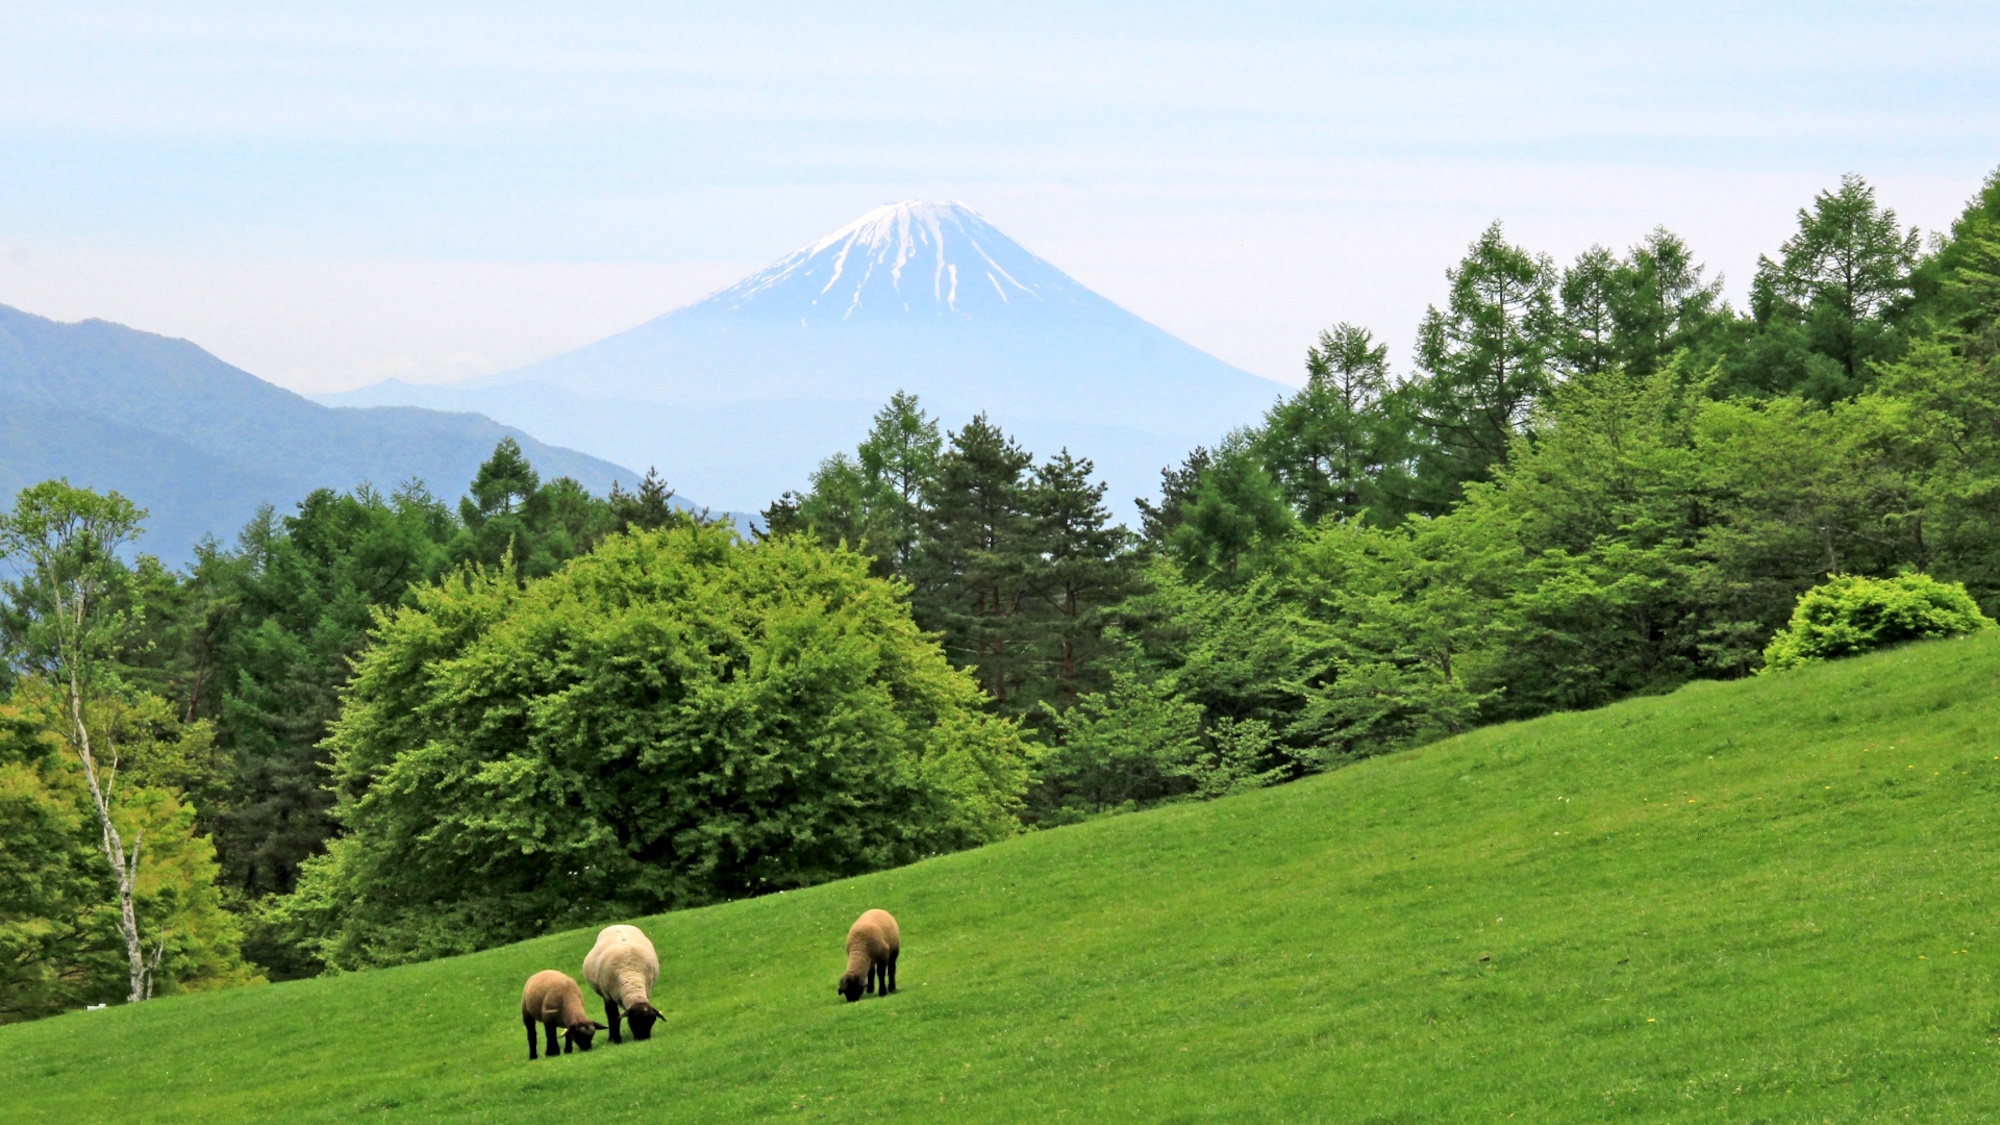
x=737 y=397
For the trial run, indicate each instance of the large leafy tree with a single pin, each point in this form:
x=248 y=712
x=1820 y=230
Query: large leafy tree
x=677 y=718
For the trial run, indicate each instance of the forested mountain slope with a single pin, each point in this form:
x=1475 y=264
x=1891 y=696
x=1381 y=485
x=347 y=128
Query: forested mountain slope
x=200 y=443
x=1760 y=900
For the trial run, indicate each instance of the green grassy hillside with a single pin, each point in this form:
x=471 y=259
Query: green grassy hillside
x=1760 y=901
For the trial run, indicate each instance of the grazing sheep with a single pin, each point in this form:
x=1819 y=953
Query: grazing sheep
x=553 y=1000
x=873 y=944
x=622 y=968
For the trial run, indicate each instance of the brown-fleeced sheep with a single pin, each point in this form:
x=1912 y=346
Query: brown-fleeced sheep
x=622 y=968
x=873 y=944
x=553 y=1000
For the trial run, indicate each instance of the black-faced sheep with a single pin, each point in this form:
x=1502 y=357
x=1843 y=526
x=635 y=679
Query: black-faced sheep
x=873 y=944
x=553 y=1000
x=622 y=968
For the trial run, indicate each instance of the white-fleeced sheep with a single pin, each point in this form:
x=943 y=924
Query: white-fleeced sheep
x=622 y=968
x=553 y=1000
x=873 y=944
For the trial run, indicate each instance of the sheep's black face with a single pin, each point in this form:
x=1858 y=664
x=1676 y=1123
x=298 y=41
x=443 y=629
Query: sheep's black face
x=850 y=986
x=643 y=1018
x=580 y=1036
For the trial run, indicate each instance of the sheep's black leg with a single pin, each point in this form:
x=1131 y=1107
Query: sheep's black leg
x=611 y=1019
x=874 y=970
x=892 y=970
x=528 y=1021
x=550 y=1050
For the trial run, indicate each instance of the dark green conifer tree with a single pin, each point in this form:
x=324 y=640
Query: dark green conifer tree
x=1486 y=359
x=1337 y=447
x=305 y=590
x=1831 y=307
x=977 y=558
x=1085 y=570
x=649 y=509
x=511 y=513
x=1178 y=484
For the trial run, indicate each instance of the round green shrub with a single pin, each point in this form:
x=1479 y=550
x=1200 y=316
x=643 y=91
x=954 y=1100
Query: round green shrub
x=1850 y=614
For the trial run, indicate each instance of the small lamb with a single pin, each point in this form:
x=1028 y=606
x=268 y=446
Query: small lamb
x=873 y=944
x=553 y=1000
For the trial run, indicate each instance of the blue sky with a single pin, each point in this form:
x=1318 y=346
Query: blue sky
x=328 y=195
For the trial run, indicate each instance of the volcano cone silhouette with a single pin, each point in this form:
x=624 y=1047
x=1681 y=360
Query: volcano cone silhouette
x=738 y=396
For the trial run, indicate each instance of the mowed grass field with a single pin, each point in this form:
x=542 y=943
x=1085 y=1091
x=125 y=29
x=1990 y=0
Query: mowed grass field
x=1772 y=900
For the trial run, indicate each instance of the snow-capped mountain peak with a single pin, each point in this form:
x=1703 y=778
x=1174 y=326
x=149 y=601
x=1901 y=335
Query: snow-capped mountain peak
x=736 y=397
x=904 y=259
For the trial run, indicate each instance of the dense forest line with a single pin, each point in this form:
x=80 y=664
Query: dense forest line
x=380 y=728
x=1599 y=480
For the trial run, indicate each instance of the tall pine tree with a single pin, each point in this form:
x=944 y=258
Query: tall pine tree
x=1085 y=569
x=976 y=563
x=1336 y=448
x=870 y=501
x=1486 y=359
x=1830 y=308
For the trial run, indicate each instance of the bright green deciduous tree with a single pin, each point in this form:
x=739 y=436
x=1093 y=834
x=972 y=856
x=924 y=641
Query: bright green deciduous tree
x=678 y=718
x=61 y=940
x=64 y=620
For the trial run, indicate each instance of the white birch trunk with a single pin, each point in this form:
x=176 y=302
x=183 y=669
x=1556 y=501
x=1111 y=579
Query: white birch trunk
x=124 y=865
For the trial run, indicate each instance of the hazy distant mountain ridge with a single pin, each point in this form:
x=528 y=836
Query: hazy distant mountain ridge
x=738 y=396
x=201 y=443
